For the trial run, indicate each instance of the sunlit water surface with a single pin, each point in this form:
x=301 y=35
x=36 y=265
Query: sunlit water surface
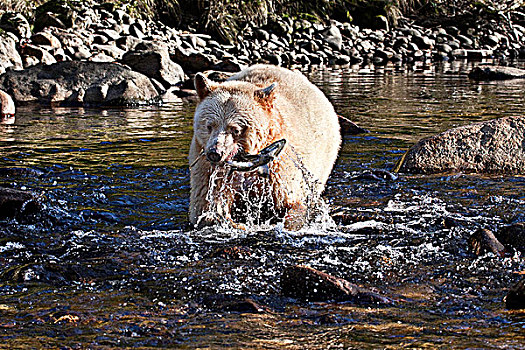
x=110 y=262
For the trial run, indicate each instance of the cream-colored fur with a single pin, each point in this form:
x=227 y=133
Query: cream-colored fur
x=241 y=114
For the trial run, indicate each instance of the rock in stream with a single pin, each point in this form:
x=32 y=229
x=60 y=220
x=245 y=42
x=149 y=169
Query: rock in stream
x=79 y=83
x=492 y=147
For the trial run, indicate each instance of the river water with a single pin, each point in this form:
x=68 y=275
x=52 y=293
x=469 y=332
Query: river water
x=110 y=261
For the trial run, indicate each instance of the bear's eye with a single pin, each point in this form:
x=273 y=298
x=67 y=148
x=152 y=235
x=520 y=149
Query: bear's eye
x=235 y=132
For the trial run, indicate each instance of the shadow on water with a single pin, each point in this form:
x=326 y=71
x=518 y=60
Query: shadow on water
x=110 y=263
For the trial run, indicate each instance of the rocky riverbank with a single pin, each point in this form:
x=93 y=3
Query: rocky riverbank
x=104 y=33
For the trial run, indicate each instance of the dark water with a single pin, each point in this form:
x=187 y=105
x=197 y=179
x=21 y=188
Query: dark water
x=110 y=262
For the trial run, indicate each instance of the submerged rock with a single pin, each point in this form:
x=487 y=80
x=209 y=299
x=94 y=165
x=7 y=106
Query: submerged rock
x=80 y=83
x=232 y=252
x=483 y=241
x=496 y=73
x=513 y=236
x=29 y=172
x=376 y=175
x=14 y=203
x=515 y=298
x=233 y=303
x=348 y=127
x=492 y=147
x=303 y=282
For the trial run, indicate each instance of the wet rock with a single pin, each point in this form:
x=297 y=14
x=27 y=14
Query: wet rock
x=376 y=175
x=479 y=54
x=309 y=284
x=515 y=298
x=155 y=63
x=232 y=303
x=7 y=106
x=233 y=252
x=348 y=127
x=513 y=236
x=483 y=241
x=68 y=82
x=496 y=73
x=17 y=203
x=8 y=172
x=9 y=56
x=15 y=23
x=495 y=147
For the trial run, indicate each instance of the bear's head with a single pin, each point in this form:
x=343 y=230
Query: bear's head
x=233 y=116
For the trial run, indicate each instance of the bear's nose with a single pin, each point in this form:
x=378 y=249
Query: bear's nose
x=213 y=156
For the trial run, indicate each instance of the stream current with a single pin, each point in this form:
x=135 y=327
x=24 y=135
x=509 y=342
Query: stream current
x=110 y=261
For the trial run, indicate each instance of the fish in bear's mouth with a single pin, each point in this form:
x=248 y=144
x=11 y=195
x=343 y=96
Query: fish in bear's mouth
x=239 y=160
x=242 y=161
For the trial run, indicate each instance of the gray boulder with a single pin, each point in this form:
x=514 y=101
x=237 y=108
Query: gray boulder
x=494 y=147
x=79 y=83
x=9 y=56
x=496 y=73
x=192 y=60
x=155 y=63
x=332 y=36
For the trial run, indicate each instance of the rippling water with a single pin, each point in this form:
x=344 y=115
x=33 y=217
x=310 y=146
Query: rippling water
x=110 y=261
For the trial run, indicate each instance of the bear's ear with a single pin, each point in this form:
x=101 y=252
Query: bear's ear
x=266 y=95
x=203 y=85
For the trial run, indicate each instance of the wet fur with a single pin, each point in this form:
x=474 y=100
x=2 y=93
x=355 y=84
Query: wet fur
x=294 y=109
